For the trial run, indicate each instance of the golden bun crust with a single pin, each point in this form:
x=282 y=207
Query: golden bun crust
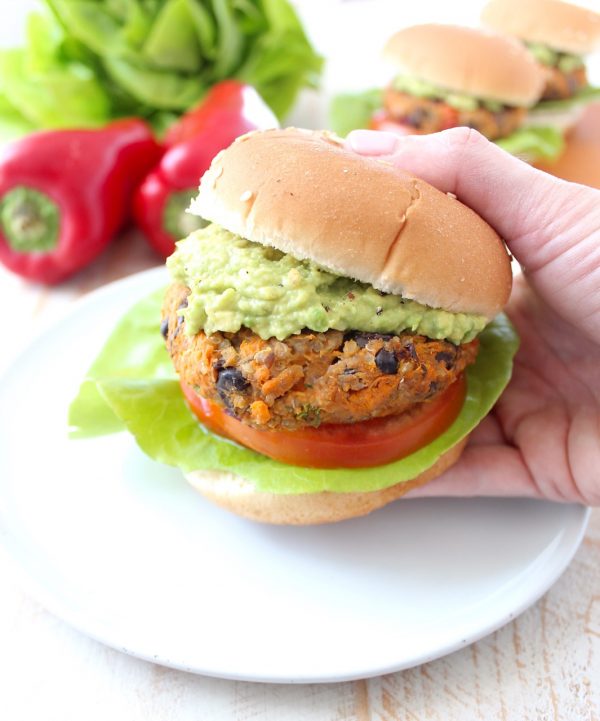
x=559 y=25
x=238 y=496
x=304 y=193
x=470 y=61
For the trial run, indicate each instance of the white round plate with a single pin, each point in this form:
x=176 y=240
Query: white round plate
x=121 y=548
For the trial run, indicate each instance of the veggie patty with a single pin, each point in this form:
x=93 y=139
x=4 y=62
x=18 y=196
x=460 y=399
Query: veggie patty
x=310 y=378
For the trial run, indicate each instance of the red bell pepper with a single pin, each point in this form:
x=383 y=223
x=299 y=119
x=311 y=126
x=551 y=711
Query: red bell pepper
x=229 y=110
x=65 y=193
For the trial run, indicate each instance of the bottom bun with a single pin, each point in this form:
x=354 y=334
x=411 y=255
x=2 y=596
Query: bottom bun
x=239 y=496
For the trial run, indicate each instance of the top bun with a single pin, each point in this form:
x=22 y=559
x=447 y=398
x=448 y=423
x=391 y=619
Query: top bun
x=557 y=24
x=474 y=62
x=304 y=193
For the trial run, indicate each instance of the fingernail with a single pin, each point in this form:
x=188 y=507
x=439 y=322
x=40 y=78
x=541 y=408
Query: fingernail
x=372 y=142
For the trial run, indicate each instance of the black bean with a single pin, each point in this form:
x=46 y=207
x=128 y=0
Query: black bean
x=501 y=117
x=446 y=357
x=182 y=305
x=408 y=350
x=434 y=386
x=231 y=380
x=164 y=327
x=552 y=93
x=361 y=339
x=572 y=84
x=387 y=362
x=417 y=117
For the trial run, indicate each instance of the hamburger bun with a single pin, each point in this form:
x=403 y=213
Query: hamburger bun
x=305 y=194
x=239 y=496
x=559 y=25
x=465 y=60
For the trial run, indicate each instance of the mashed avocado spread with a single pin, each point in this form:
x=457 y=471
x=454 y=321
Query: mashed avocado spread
x=422 y=89
x=235 y=282
x=566 y=62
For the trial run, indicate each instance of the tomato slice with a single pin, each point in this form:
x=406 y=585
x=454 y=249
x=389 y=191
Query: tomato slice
x=448 y=116
x=382 y=121
x=353 y=445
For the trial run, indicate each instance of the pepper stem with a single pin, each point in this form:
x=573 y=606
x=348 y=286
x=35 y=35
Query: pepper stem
x=176 y=221
x=29 y=220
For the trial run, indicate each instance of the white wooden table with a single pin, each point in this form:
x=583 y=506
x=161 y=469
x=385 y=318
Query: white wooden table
x=545 y=665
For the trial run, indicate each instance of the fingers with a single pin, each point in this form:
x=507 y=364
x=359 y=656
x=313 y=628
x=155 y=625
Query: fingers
x=488 y=432
x=552 y=227
x=494 y=470
x=500 y=471
x=511 y=195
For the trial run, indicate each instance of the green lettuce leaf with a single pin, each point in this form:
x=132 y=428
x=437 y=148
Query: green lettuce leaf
x=534 y=143
x=12 y=124
x=131 y=384
x=352 y=111
x=87 y=61
x=165 y=54
x=45 y=91
x=280 y=61
x=588 y=94
x=134 y=350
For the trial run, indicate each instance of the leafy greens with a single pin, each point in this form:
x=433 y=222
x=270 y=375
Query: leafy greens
x=87 y=61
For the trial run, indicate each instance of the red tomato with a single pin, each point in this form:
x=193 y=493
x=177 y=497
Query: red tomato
x=449 y=116
x=382 y=121
x=356 y=445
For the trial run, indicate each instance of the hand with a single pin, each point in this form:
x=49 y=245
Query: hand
x=542 y=439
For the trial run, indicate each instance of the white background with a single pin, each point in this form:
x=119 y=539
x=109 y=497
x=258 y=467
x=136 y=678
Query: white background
x=48 y=671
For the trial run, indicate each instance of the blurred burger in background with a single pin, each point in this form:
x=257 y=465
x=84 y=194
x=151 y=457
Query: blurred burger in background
x=559 y=35
x=448 y=76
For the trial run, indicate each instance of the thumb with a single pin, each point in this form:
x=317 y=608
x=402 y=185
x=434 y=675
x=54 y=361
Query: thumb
x=552 y=227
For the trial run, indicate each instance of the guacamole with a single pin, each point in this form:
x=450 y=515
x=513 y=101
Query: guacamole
x=566 y=62
x=422 y=89
x=235 y=282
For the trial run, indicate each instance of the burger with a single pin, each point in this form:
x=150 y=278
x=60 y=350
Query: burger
x=448 y=76
x=559 y=36
x=328 y=313
x=328 y=341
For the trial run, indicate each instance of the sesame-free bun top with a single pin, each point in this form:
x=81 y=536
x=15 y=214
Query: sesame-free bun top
x=559 y=25
x=305 y=194
x=468 y=61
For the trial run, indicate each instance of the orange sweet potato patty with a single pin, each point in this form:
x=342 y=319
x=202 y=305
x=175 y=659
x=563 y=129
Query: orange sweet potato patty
x=310 y=378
